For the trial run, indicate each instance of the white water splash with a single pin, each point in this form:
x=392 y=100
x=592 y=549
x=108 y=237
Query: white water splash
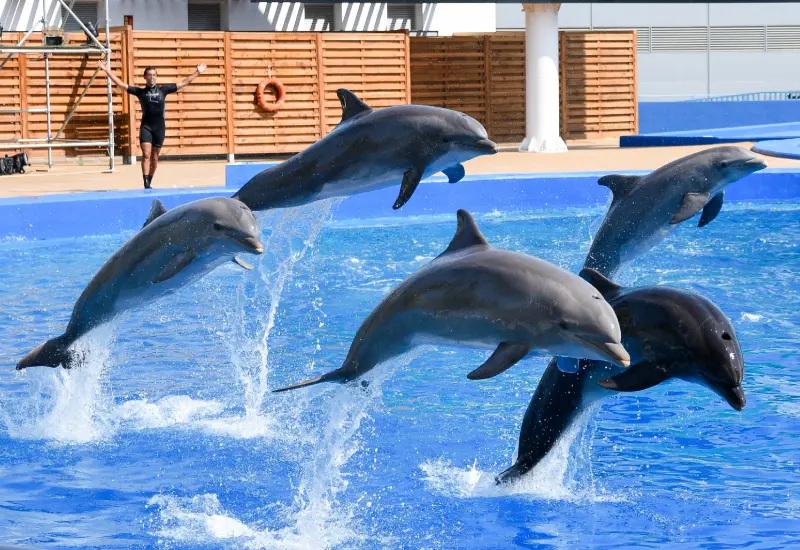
x=319 y=517
x=69 y=406
x=293 y=233
x=564 y=474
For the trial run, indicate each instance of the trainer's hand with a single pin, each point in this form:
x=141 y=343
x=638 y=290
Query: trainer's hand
x=104 y=65
x=201 y=68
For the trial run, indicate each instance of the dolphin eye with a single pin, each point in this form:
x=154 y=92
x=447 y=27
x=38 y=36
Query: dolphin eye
x=726 y=336
x=724 y=164
x=563 y=325
x=217 y=227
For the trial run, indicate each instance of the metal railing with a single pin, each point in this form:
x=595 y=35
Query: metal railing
x=92 y=47
x=754 y=96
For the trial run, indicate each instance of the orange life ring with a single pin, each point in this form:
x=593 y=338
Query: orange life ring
x=279 y=91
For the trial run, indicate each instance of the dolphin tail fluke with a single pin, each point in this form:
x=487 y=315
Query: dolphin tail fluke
x=52 y=353
x=333 y=376
x=512 y=474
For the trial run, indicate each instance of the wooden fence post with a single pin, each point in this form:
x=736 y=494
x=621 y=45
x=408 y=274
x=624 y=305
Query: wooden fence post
x=635 y=82
x=128 y=63
x=323 y=117
x=487 y=83
x=562 y=84
x=408 y=68
x=23 y=94
x=229 y=97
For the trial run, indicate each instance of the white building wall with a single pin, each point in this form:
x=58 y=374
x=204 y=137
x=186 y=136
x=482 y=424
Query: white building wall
x=26 y=14
x=675 y=74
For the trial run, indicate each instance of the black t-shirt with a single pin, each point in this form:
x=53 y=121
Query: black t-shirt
x=154 y=102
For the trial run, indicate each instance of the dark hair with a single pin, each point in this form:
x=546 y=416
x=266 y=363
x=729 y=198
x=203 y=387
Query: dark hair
x=149 y=69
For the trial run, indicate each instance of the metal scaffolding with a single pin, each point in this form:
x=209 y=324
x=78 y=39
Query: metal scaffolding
x=92 y=47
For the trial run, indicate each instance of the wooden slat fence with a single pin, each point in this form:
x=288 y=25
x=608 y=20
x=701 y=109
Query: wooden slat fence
x=218 y=114
x=484 y=76
x=598 y=81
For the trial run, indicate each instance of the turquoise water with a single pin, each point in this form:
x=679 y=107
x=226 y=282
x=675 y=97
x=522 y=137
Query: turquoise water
x=169 y=437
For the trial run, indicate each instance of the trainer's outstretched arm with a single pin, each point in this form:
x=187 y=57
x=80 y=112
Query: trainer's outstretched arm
x=106 y=66
x=186 y=81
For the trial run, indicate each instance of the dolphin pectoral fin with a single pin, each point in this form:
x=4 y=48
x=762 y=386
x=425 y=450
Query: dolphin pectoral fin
x=691 y=205
x=156 y=210
x=504 y=357
x=454 y=173
x=599 y=281
x=242 y=263
x=712 y=209
x=409 y=185
x=568 y=365
x=639 y=377
x=175 y=266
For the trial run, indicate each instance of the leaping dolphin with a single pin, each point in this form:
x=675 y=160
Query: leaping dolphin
x=172 y=250
x=372 y=149
x=644 y=209
x=477 y=296
x=669 y=333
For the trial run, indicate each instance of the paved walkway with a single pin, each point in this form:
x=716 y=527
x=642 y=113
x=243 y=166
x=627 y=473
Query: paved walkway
x=598 y=155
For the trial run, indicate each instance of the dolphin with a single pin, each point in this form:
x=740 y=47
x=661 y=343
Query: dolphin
x=172 y=250
x=644 y=209
x=474 y=295
x=669 y=333
x=372 y=149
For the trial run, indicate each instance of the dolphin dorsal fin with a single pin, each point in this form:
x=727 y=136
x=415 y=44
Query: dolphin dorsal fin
x=156 y=210
x=467 y=234
x=599 y=281
x=619 y=184
x=351 y=105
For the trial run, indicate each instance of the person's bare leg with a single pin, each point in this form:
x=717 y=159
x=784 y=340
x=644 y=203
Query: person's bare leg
x=154 y=161
x=147 y=156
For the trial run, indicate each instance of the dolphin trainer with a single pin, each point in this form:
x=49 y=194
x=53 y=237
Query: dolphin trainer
x=172 y=250
x=477 y=296
x=372 y=149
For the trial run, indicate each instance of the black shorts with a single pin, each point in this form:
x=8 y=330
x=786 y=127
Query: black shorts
x=148 y=134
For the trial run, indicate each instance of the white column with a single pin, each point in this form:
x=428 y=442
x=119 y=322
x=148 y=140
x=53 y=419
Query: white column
x=541 y=79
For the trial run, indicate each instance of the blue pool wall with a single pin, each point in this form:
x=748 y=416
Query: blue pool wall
x=674 y=116
x=105 y=213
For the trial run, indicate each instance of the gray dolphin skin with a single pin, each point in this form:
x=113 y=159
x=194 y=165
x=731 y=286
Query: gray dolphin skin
x=645 y=208
x=669 y=332
x=372 y=149
x=473 y=295
x=172 y=250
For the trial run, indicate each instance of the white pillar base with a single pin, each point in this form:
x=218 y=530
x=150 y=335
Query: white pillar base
x=131 y=160
x=231 y=157
x=552 y=144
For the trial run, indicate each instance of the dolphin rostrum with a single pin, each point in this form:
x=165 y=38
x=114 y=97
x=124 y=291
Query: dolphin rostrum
x=369 y=150
x=477 y=296
x=669 y=333
x=172 y=250
x=645 y=208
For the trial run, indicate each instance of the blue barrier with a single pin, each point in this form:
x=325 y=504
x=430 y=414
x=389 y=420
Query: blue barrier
x=239 y=173
x=74 y=215
x=673 y=116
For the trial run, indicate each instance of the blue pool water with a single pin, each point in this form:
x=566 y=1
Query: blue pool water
x=169 y=437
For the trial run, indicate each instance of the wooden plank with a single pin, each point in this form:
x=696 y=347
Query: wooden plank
x=407 y=53
x=129 y=58
x=229 y=124
x=321 y=87
x=23 y=94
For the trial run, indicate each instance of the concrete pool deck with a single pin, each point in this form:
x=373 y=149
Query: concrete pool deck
x=582 y=157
